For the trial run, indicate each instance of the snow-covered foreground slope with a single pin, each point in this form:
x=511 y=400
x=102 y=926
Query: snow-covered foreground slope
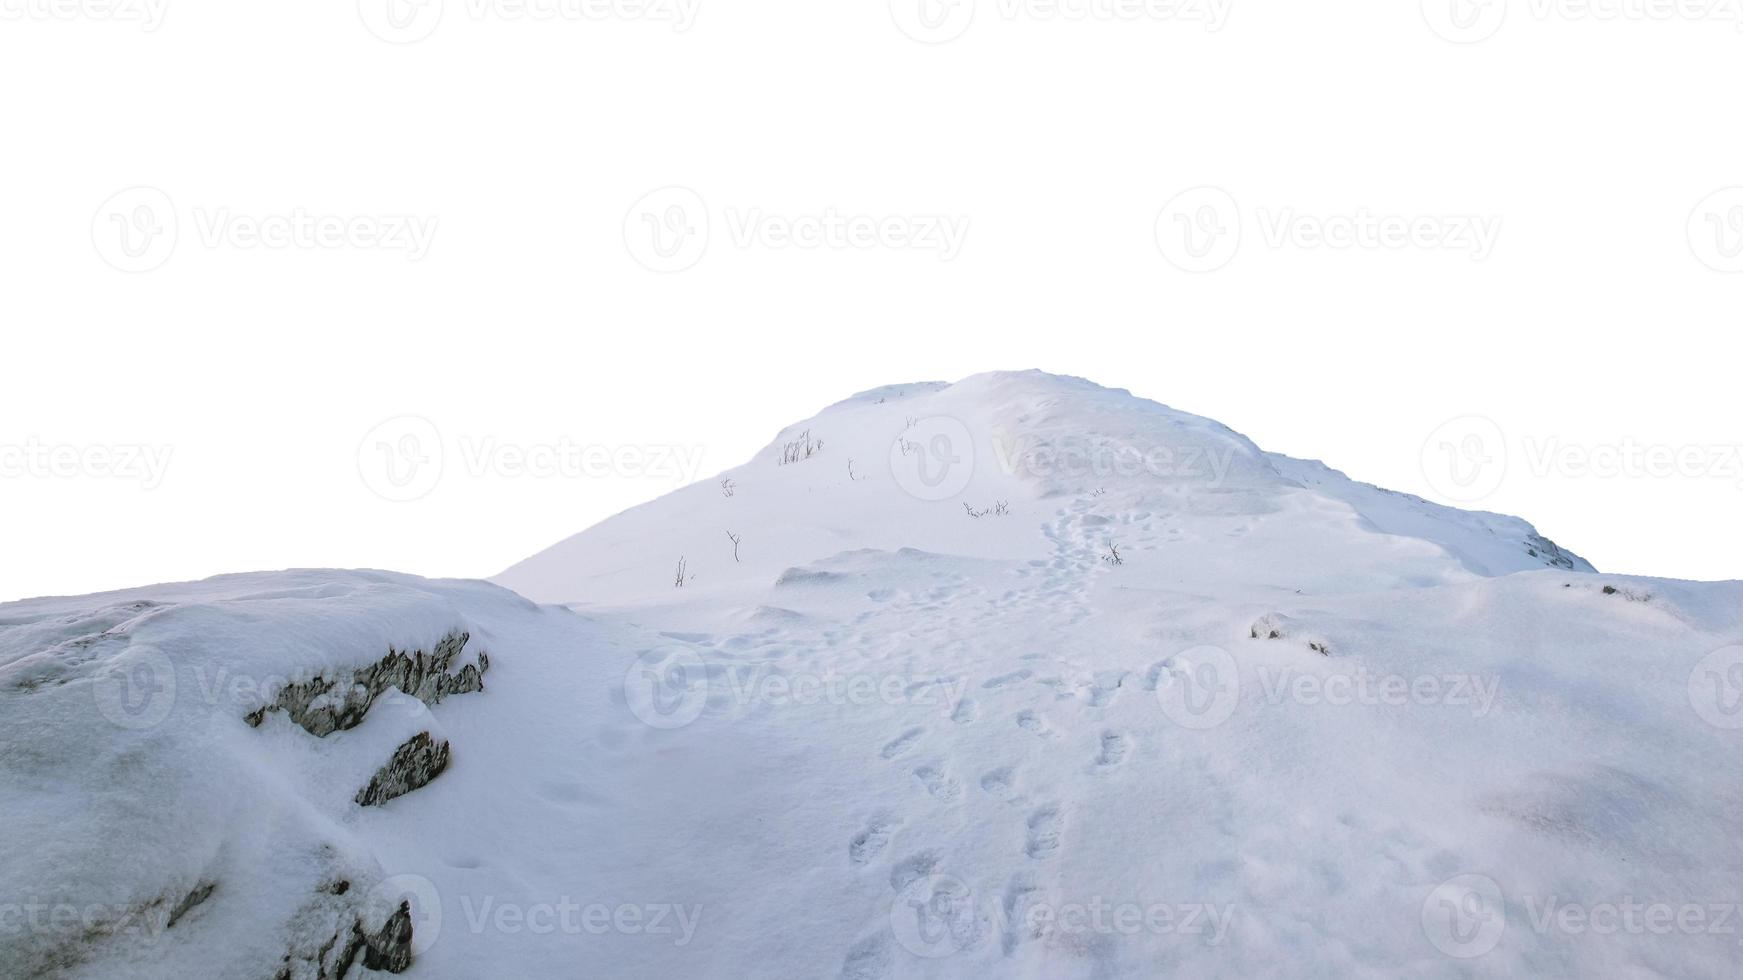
x=1303 y=727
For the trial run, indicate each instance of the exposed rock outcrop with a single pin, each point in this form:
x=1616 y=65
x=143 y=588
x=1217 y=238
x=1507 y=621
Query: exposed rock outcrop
x=414 y=764
x=346 y=941
x=325 y=705
x=1552 y=554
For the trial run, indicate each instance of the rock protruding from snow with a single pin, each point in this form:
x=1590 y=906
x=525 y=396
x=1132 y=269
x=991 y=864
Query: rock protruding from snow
x=323 y=705
x=331 y=938
x=1276 y=626
x=160 y=836
x=414 y=764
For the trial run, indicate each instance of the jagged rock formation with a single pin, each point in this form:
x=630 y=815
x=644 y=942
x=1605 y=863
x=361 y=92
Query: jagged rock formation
x=1552 y=554
x=324 y=705
x=346 y=941
x=414 y=764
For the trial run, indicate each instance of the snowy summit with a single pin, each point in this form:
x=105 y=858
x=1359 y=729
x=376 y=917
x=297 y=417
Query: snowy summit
x=1018 y=676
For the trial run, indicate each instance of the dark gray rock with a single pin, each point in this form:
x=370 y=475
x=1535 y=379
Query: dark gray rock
x=345 y=941
x=414 y=764
x=326 y=705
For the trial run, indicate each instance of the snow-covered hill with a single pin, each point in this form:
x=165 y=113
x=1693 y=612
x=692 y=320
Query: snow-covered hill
x=1018 y=676
x=903 y=466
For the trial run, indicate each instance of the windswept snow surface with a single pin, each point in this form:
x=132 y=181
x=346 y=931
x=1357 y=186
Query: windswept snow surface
x=1302 y=727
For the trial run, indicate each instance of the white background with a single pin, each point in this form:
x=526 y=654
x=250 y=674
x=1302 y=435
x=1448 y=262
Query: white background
x=1595 y=135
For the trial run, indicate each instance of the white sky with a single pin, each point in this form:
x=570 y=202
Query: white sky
x=526 y=316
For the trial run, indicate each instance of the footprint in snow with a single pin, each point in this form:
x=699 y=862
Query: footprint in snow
x=1020 y=893
x=871 y=841
x=1045 y=825
x=869 y=959
x=998 y=781
x=1005 y=680
x=1113 y=750
x=1107 y=684
x=939 y=783
x=912 y=868
x=1153 y=677
x=1033 y=723
x=902 y=743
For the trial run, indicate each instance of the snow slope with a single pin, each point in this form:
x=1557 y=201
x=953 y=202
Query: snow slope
x=1197 y=490
x=1304 y=727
